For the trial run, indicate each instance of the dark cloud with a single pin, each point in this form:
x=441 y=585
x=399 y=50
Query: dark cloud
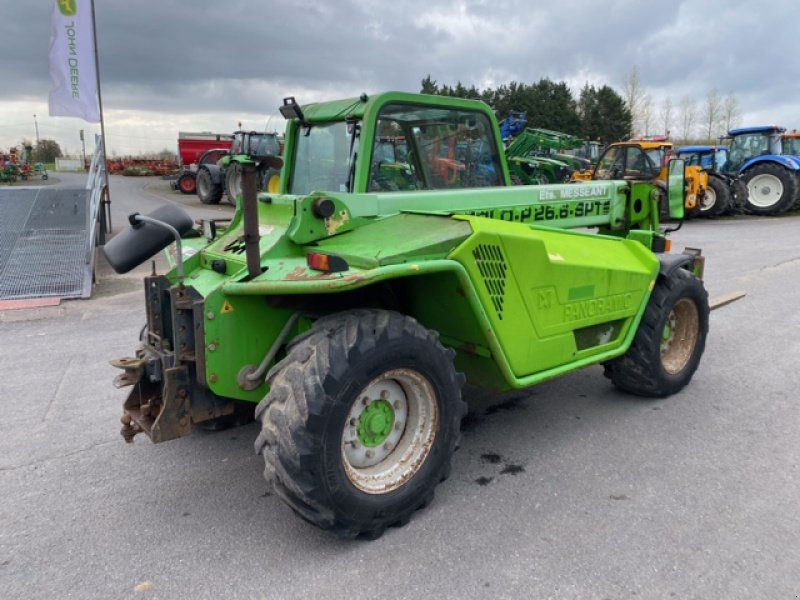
x=222 y=61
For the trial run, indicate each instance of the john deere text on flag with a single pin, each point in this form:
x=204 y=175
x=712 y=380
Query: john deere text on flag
x=72 y=62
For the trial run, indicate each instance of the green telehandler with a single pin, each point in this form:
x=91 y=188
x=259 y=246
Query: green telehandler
x=346 y=316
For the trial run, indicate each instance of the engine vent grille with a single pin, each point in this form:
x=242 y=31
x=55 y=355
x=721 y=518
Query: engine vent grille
x=492 y=266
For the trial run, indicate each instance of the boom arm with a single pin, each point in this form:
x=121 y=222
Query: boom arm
x=615 y=207
x=532 y=138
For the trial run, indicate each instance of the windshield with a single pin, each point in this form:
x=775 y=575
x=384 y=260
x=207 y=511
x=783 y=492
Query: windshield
x=264 y=145
x=744 y=147
x=707 y=159
x=429 y=147
x=791 y=146
x=656 y=155
x=750 y=145
x=720 y=158
x=627 y=161
x=611 y=164
x=322 y=159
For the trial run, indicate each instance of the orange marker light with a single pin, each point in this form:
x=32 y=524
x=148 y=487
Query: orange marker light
x=330 y=263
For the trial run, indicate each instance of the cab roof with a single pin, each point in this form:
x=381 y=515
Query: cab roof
x=699 y=149
x=356 y=108
x=757 y=129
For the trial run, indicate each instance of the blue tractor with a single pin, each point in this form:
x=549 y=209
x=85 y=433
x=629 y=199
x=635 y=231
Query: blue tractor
x=725 y=194
x=512 y=125
x=771 y=177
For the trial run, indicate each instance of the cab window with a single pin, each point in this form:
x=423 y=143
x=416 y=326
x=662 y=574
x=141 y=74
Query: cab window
x=427 y=147
x=323 y=159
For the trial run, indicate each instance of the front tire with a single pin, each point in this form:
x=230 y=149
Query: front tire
x=670 y=341
x=361 y=421
x=771 y=189
x=187 y=183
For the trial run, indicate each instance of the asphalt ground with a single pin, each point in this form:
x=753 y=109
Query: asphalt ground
x=568 y=490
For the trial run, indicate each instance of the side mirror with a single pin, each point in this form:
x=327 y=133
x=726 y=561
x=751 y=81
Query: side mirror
x=143 y=239
x=675 y=188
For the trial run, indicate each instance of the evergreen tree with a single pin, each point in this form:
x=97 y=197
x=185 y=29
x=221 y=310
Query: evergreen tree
x=597 y=114
x=552 y=106
x=429 y=86
x=603 y=115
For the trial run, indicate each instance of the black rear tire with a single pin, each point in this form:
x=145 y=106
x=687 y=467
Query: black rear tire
x=671 y=338
x=208 y=191
x=717 y=198
x=350 y=374
x=738 y=197
x=771 y=189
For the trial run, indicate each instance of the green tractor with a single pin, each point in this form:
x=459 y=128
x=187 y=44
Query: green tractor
x=534 y=157
x=346 y=316
x=225 y=176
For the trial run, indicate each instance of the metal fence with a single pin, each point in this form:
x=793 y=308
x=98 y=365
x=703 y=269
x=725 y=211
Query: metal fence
x=48 y=238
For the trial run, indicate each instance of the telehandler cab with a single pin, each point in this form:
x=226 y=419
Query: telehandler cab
x=648 y=159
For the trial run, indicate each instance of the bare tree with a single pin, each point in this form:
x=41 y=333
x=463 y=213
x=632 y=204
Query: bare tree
x=636 y=99
x=688 y=110
x=666 y=115
x=730 y=112
x=646 y=114
x=712 y=113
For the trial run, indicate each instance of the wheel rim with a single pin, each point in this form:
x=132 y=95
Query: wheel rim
x=235 y=183
x=764 y=190
x=187 y=184
x=389 y=431
x=274 y=184
x=202 y=184
x=679 y=336
x=709 y=199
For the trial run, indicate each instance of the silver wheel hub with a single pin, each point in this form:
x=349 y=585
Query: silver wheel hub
x=384 y=463
x=709 y=199
x=764 y=190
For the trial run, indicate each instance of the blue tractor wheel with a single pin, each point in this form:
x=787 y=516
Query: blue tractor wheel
x=771 y=189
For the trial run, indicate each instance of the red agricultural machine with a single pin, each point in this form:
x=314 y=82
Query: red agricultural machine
x=14 y=166
x=195 y=149
x=140 y=166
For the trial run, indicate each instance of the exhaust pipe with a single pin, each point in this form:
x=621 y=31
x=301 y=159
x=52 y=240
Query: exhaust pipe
x=250 y=214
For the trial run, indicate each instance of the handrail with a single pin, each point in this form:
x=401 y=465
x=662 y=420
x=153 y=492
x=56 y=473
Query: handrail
x=95 y=184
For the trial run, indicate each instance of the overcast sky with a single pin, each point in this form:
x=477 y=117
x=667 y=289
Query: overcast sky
x=200 y=65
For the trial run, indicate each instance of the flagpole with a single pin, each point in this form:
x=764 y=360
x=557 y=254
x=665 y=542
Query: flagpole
x=107 y=195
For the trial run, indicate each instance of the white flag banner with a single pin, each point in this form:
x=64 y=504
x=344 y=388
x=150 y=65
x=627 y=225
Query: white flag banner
x=72 y=62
